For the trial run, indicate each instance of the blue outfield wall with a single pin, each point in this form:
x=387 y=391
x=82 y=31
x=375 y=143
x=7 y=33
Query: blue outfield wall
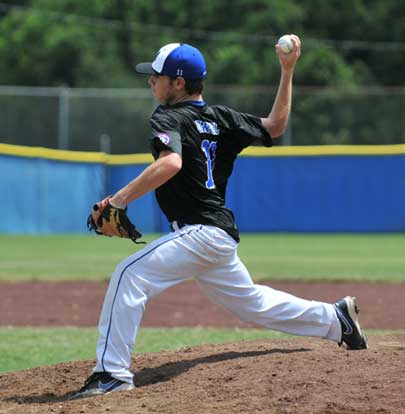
x=47 y=196
x=291 y=189
x=319 y=193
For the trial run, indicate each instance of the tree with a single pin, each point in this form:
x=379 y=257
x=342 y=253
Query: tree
x=95 y=43
x=45 y=45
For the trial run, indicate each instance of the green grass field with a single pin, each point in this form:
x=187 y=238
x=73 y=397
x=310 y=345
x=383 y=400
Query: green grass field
x=23 y=348
x=371 y=257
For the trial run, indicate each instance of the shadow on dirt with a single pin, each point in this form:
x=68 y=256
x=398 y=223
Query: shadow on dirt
x=167 y=371
x=161 y=373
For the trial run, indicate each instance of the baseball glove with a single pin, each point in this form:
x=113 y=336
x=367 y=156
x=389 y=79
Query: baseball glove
x=110 y=221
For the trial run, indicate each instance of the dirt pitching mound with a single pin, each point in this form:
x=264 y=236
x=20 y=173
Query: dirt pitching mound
x=268 y=376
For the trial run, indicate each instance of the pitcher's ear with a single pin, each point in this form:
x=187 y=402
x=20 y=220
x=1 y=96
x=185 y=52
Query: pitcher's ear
x=180 y=82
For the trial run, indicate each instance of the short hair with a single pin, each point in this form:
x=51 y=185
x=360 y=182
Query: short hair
x=194 y=87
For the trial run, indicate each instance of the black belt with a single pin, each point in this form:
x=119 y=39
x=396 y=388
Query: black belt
x=178 y=224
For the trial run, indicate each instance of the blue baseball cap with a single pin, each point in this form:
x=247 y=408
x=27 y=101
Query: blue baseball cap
x=176 y=59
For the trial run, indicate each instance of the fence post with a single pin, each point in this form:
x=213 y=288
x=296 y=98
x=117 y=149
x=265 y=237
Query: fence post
x=105 y=147
x=401 y=111
x=63 y=121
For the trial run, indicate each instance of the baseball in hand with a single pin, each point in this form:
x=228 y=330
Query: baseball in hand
x=286 y=44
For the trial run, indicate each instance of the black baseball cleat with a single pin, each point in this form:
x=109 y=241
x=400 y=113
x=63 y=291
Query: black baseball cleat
x=352 y=335
x=101 y=383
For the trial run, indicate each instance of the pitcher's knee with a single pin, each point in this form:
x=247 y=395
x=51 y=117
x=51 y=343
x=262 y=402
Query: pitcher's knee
x=130 y=280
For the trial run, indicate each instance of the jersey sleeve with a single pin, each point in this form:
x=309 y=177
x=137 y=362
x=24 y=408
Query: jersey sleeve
x=249 y=129
x=165 y=135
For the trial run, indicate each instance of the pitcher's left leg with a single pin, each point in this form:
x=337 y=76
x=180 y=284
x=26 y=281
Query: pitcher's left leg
x=232 y=287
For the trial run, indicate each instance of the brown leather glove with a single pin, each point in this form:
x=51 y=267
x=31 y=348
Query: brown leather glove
x=110 y=221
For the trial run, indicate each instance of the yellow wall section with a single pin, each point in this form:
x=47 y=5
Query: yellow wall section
x=283 y=151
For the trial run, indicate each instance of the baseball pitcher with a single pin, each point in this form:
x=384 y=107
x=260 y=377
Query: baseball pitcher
x=194 y=146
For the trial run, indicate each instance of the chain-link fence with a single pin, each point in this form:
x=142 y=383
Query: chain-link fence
x=116 y=120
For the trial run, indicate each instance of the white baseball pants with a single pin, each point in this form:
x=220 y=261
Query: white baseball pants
x=209 y=255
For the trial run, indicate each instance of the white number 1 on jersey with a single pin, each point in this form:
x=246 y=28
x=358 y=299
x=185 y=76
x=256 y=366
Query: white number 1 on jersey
x=209 y=148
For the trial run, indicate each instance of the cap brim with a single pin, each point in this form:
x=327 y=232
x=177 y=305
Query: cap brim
x=145 y=68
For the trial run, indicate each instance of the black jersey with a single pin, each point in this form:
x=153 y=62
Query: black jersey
x=208 y=138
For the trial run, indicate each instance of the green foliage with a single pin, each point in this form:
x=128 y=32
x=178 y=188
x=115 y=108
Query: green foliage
x=373 y=257
x=95 y=43
x=323 y=66
x=43 y=46
x=342 y=116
